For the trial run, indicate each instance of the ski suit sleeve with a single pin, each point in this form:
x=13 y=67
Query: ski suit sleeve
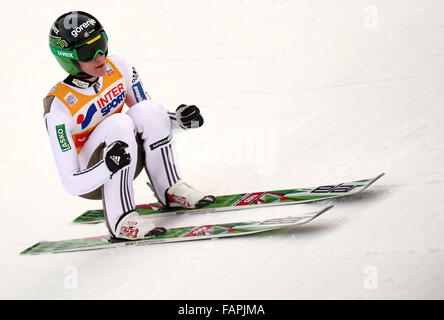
x=74 y=180
x=135 y=90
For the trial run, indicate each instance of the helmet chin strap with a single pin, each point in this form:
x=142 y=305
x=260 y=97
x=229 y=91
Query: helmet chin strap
x=82 y=75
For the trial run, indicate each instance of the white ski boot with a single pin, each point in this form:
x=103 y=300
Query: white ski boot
x=183 y=195
x=133 y=226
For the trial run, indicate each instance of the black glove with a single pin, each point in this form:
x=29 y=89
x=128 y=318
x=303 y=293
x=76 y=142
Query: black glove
x=116 y=156
x=189 y=116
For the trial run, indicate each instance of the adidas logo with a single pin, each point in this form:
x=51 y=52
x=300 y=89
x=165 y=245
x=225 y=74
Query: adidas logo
x=115 y=159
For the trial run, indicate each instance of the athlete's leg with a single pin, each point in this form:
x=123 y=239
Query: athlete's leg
x=117 y=192
x=153 y=124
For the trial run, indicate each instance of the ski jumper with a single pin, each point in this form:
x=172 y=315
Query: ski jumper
x=83 y=118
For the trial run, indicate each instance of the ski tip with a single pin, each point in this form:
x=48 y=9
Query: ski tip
x=374 y=179
x=379 y=176
x=315 y=214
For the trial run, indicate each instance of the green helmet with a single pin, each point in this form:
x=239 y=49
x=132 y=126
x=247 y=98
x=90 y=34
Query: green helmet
x=77 y=36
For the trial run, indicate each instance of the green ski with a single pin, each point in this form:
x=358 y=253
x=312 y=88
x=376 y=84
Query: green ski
x=174 y=235
x=249 y=200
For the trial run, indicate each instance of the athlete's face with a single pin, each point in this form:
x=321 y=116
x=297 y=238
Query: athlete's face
x=96 y=67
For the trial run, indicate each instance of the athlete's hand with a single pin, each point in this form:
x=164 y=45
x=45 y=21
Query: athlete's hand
x=189 y=116
x=116 y=156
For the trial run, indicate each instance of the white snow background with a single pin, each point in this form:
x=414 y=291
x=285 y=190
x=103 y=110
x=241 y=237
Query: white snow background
x=294 y=94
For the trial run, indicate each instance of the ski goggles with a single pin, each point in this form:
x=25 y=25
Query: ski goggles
x=85 y=51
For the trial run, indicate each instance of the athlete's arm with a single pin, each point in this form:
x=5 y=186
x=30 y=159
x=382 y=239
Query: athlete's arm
x=74 y=180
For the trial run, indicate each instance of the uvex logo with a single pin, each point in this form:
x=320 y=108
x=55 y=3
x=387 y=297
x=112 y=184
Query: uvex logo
x=65 y=54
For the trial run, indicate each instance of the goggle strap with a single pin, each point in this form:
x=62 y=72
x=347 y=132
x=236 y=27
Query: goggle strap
x=72 y=54
x=86 y=41
x=64 y=53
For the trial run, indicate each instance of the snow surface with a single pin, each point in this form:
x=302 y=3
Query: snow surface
x=318 y=92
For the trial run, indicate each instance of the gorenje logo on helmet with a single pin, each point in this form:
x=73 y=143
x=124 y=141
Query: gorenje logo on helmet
x=76 y=31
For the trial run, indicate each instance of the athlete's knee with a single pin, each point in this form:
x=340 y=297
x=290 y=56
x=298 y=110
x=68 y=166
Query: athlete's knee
x=120 y=127
x=121 y=123
x=149 y=114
